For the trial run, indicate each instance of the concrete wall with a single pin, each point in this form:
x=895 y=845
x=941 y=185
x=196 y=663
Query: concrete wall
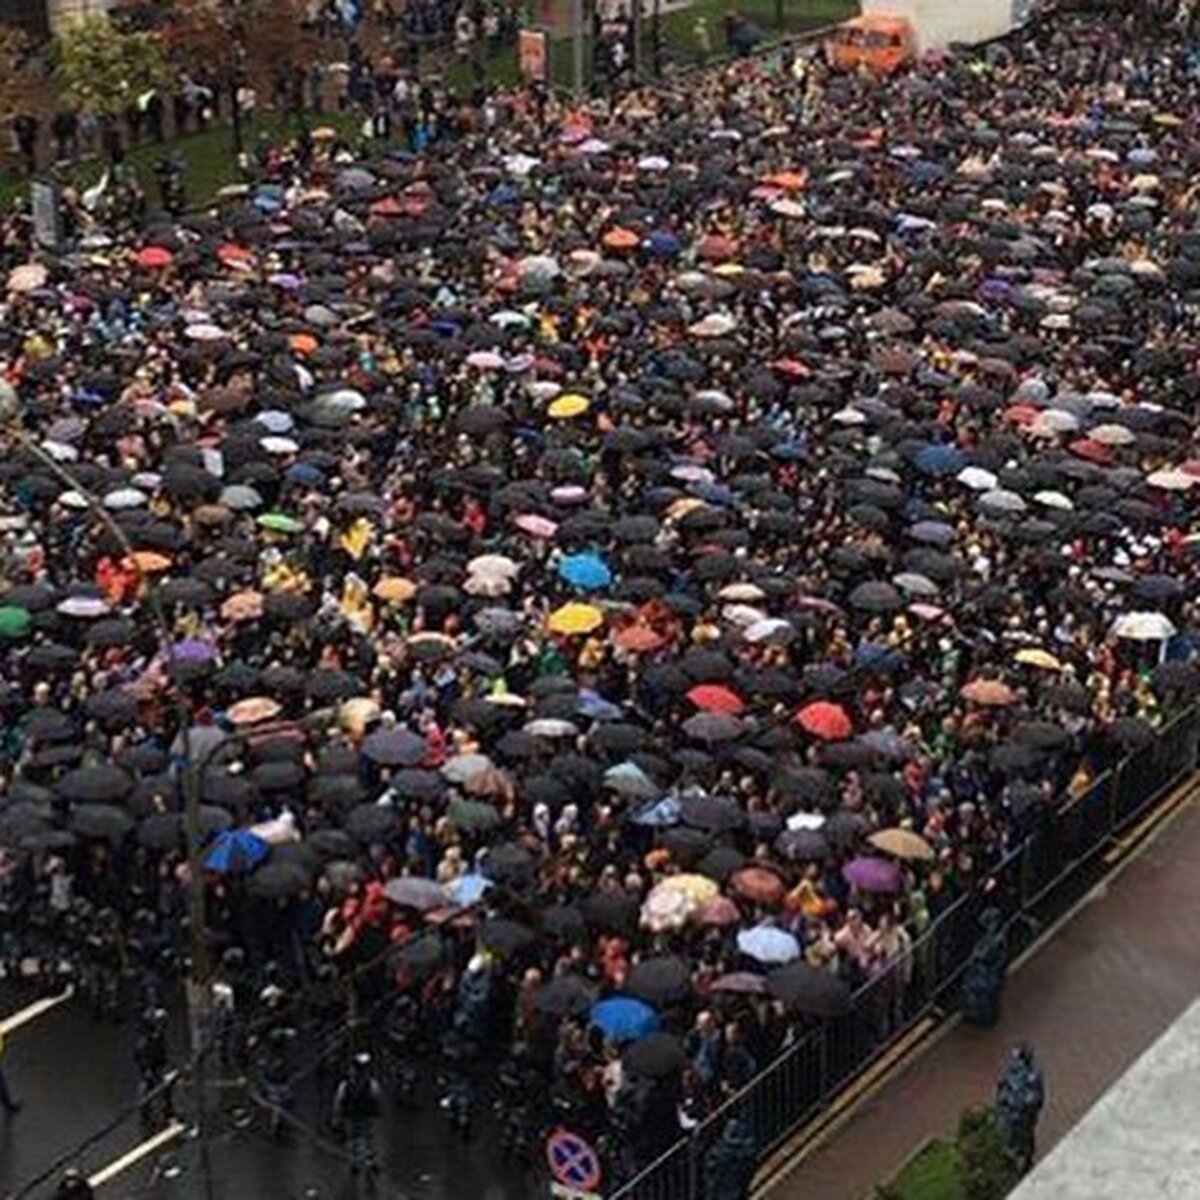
x=940 y=22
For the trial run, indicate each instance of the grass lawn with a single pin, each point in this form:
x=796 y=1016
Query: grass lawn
x=208 y=157
x=932 y=1175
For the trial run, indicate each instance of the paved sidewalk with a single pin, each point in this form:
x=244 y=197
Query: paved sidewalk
x=1090 y=1001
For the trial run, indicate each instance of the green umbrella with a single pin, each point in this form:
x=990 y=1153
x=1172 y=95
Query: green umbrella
x=473 y=814
x=279 y=522
x=14 y=622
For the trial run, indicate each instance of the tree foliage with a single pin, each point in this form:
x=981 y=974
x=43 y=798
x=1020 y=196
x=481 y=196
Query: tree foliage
x=103 y=69
x=14 y=70
x=988 y=1169
x=203 y=35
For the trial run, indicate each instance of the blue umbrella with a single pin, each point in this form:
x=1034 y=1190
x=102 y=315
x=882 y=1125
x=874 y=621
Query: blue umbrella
x=585 y=571
x=236 y=851
x=304 y=475
x=766 y=944
x=468 y=889
x=940 y=459
x=591 y=704
x=658 y=815
x=663 y=244
x=624 y=1019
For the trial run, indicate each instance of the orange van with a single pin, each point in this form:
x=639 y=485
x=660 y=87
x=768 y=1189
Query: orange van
x=881 y=44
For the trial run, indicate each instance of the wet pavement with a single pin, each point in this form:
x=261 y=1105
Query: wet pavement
x=1090 y=1001
x=76 y=1078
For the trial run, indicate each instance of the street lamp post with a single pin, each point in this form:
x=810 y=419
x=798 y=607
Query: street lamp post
x=197 y=988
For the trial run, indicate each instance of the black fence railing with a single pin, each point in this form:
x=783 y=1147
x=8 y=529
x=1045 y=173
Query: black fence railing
x=822 y=1060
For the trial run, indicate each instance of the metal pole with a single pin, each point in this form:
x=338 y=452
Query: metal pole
x=577 y=47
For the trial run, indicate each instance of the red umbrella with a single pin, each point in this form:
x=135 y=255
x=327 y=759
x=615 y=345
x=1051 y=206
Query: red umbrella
x=825 y=720
x=712 y=697
x=758 y=884
x=639 y=639
x=154 y=256
x=990 y=693
x=717 y=248
x=719 y=913
x=1092 y=451
x=233 y=255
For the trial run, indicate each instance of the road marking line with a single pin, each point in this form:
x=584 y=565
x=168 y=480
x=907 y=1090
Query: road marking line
x=38 y=1009
x=162 y=1138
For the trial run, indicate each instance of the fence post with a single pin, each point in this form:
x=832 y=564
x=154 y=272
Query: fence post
x=693 y=1179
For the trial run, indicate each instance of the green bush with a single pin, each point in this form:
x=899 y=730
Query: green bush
x=987 y=1168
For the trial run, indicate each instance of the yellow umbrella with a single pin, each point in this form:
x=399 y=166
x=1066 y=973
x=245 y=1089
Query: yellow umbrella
x=903 y=843
x=575 y=618
x=698 y=888
x=395 y=587
x=729 y=270
x=1035 y=656
x=562 y=408
x=356 y=714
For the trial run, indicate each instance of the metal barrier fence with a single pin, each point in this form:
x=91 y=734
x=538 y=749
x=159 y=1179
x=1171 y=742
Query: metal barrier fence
x=822 y=1060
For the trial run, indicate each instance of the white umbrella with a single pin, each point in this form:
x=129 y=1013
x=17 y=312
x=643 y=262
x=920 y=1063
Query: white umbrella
x=27 y=278
x=1143 y=627
x=1054 y=500
x=977 y=479
x=551 y=727
x=83 y=606
x=1000 y=500
x=1054 y=421
x=1113 y=435
x=205 y=332
x=123 y=498
x=279 y=445
x=1172 y=480
x=493 y=564
x=914 y=584
x=485 y=360
x=772 y=629
x=713 y=326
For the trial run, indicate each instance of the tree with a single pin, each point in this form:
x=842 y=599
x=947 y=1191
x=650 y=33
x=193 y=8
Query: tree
x=258 y=37
x=102 y=69
x=987 y=1167
x=14 y=74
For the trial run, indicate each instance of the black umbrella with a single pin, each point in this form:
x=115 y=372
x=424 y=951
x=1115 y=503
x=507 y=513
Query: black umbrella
x=655 y=1056
x=278 y=881
x=660 y=981
x=371 y=822
x=802 y=845
x=563 y=923
x=505 y=937
x=612 y=912
x=1041 y=735
x=711 y=813
x=103 y=821
x=99 y=784
x=721 y=862
x=809 y=990
x=395 y=748
x=566 y=996
x=509 y=862
x=332 y=844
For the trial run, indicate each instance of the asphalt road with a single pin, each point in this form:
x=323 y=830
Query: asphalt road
x=76 y=1078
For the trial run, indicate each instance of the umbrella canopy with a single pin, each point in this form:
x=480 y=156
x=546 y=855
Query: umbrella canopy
x=809 y=990
x=767 y=944
x=236 y=852
x=662 y=980
x=655 y=1056
x=624 y=1018
x=902 y=843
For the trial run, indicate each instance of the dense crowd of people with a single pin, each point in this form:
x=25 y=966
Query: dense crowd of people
x=614 y=577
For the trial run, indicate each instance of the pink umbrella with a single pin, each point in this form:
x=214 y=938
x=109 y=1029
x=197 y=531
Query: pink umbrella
x=535 y=526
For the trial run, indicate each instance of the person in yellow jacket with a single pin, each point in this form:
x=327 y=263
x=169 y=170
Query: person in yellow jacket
x=9 y=1102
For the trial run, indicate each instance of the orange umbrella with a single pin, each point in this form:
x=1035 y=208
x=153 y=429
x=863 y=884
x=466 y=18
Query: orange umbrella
x=639 y=639
x=989 y=693
x=825 y=720
x=787 y=181
x=395 y=588
x=303 y=343
x=620 y=239
x=758 y=884
x=147 y=561
x=243 y=606
x=712 y=697
x=254 y=710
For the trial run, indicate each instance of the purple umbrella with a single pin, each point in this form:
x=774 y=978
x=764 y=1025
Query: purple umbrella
x=193 y=650
x=873 y=875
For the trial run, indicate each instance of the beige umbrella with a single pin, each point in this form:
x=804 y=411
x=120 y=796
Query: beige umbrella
x=903 y=843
